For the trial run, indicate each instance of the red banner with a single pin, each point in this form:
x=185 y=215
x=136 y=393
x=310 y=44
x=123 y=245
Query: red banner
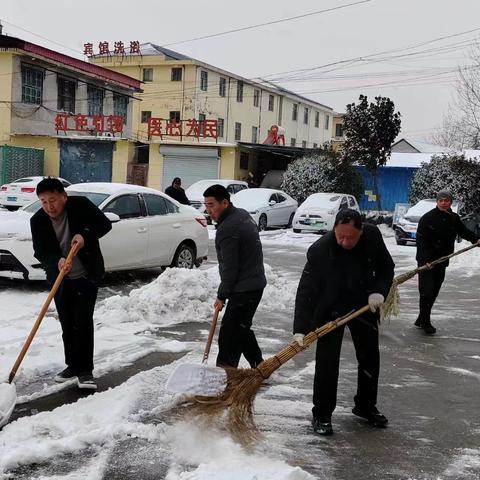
x=93 y=124
x=160 y=127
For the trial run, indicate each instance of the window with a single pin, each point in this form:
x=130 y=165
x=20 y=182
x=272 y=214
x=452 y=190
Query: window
x=339 y=130
x=271 y=100
x=254 y=134
x=146 y=115
x=32 y=85
x=238 y=188
x=343 y=203
x=238 y=131
x=157 y=205
x=95 y=100
x=244 y=157
x=293 y=142
x=126 y=206
x=273 y=198
x=120 y=106
x=294 y=112
x=315 y=145
x=177 y=74
x=203 y=80
x=305 y=116
x=222 y=87
x=304 y=144
x=174 y=115
x=281 y=198
x=256 y=97
x=148 y=74
x=327 y=122
x=220 y=127
x=201 y=121
x=317 y=119
x=66 y=95
x=351 y=202
x=239 y=91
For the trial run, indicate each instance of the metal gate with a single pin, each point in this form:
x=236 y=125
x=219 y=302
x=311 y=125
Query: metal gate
x=86 y=161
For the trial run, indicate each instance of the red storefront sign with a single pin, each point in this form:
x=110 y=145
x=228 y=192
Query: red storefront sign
x=119 y=48
x=93 y=124
x=160 y=127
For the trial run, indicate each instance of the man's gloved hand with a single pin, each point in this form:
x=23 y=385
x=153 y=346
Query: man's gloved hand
x=375 y=300
x=298 y=337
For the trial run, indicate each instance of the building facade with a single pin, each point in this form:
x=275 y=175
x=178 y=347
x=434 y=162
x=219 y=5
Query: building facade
x=192 y=116
x=80 y=114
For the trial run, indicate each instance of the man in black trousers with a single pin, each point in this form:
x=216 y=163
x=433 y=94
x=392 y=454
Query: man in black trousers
x=240 y=261
x=346 y=269
x=436 y=234
x=62 y=222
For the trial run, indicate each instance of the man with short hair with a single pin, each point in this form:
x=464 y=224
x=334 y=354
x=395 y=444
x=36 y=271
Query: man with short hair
x=346 y=269
x=176 y=191
x=62 y=222
x=436 y=234
x=242 y=277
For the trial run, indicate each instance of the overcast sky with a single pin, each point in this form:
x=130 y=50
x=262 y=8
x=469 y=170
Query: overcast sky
x=420 y=80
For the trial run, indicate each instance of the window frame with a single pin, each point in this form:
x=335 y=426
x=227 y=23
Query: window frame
x=238 y=129
x=147 y=74
x=32 y=93
x=327 y=122
x=256 y=97
x=66 y=99
x=240 y=86
x=176 y=74
x=317 y=119
x=271 y=102
x=222 y=87
x=204 y=80
x=254 y=134
x=306 y=115
x=220 y=127
x=123 y=111
x=145 y=116
x=295 y=112
x=140 y=206
x=93 y=102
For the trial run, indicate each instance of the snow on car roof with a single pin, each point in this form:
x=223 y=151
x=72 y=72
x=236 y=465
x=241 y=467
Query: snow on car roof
x=199 y=187
x=109 y=188
x=323 y=198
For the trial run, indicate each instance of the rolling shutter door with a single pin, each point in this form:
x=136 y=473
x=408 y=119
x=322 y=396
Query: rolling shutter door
x=190 y=164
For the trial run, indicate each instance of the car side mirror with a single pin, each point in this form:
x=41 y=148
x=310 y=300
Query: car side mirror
x=113 y=217
x=272 y=203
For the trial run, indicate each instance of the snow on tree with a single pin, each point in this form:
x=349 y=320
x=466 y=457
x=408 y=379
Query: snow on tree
x=448 y=172
x=322 y=172
x=370 y=129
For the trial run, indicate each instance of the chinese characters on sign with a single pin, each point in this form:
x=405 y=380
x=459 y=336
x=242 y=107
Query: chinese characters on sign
x=119 y=48
x=160 y=127
x=93 y=124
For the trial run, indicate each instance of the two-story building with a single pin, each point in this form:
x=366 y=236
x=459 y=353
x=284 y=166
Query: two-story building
x=79 y=113
x=198 y=121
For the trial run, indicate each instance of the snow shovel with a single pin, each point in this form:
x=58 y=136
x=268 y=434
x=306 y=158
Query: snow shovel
x=194 y=379
x=8 y=393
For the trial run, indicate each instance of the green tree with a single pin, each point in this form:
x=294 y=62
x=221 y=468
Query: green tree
x=370 y=129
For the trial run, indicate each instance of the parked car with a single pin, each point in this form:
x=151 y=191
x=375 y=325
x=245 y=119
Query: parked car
x=268 y=207
x=21 y=192
x=195 y=191
x=406 y=227
x=149 y=229
x=317 y=213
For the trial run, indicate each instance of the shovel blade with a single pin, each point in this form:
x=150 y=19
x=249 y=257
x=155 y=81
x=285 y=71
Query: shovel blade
x=8 y=398
x=196 y=379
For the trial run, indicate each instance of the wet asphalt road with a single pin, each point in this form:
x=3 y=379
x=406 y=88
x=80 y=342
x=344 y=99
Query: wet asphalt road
x=428 y=389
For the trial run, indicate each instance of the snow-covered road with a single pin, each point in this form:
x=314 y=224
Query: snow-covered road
x=428 y=386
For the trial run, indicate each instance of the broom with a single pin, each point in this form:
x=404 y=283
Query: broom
x=243 y=384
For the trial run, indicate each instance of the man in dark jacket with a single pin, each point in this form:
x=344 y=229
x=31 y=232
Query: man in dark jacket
x=346 y=269
x=176 y=191
x=436 y=234
x=62 y=222
x=242 y=277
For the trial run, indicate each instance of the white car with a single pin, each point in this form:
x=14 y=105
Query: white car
x=406 y=228
x=317 y=213
x=268 y=207
x=149 y=229
x=21 y=192
x=195 y=192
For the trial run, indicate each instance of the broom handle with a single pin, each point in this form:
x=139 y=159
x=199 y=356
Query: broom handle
x=36 y=325
x=211 y=333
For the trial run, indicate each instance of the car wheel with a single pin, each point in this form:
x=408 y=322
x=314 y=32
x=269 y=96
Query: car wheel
x=401 y=242
x=290 y=221
x=297 y=230
x=262 y=222
x=184 y=257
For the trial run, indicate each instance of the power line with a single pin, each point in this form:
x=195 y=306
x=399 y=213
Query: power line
x=273 y=22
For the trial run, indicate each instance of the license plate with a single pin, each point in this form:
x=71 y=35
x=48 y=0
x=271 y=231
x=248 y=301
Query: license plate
x=11 y=199
x=413 y=234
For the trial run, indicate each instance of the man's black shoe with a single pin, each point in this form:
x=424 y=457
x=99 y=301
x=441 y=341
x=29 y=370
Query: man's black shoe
x=65 y=375
x=429 y=329
x=322 y=425
x=86 y=381
x=373 y=416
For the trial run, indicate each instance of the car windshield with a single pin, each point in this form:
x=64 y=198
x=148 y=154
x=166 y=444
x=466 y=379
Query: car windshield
x=321 y=200
x=95 y=198
x=33 y=207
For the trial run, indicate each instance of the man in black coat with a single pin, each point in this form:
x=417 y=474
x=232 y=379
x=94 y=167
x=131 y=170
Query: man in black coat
x=346 y=269
x=176 y=191
x=62 y=222
x=436 y=234
x=242 y=277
